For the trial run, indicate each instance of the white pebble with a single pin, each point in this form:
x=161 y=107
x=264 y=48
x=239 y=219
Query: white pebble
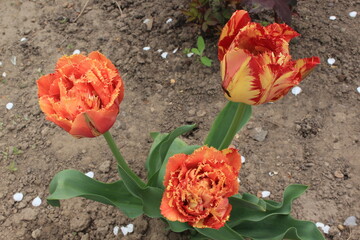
x=358 y=89
x=175 y=50
x=23 y=39
x=169 y=20
x=331 y=61
x=353 y=14
x=146 y=48
x=164 y=55
x=296 y=90
x=146 y=21
x=350 y=221
x=0 y=64
x=324 y=228
x=76 y=51
x=242 y=159
x=4 y=74
x=36 y=202
x=116 y=230
x=18 y=197
x=128 y=229
x=265 y=194
x=189 y=54
x=13 y=60
x=90 y=174
x=332 y=18
x=159 y=50
x=273 y=173
x=9 y=106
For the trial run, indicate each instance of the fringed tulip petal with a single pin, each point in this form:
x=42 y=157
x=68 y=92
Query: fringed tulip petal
x=83 y=95
x=197 y=187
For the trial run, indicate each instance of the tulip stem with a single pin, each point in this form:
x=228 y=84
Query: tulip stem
x=233 y=128
x=121 y=161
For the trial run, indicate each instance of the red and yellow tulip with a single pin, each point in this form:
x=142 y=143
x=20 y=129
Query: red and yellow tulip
x=256 y=66
x=197 y=187
x=83 y=95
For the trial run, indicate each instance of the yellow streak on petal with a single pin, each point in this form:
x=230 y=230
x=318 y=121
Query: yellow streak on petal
x=240 y=87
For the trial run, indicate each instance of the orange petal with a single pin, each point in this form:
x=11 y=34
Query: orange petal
x=238 y=20
x=174 y=163
x=171 y=213
x=281 y=30
x=234 y=158
x=75 y=59
x=94 y=123
x=101 y=58
x=47 y=84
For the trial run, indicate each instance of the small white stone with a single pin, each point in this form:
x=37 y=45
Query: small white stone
x=146 y=21
x=164 y=55
x=159 y=50
x=13 y=60
x=332 y=18
x=23 y=39
x=265 y=194
x=90 y=174
x=36 y=202
x=189 y=54
x=0 y=64
x=319 y=224
x=242 y=159
x=238 y=179
x=353 y=14
x=331 y=61
x=296 y=90
x=324 y=228
x=175 y=50
x=350 y=221
x=116 y=230
x=76 y=51
x=146 y=48
x=169 y=20
x=9 y=106
x=18 y=197
x=358 y=89
x=128 y=229
x=4 y=74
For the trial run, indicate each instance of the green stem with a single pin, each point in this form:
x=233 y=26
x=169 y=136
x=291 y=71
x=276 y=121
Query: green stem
x=120 y=160
x=232 y=130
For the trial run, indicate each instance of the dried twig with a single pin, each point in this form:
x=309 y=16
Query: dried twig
x=118 y=5
x=82 y=11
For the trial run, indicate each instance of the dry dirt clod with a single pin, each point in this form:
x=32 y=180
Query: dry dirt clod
x=36 y=234
x=80 y=222
x=105 y=166
x=338 y=174
x=259 y=134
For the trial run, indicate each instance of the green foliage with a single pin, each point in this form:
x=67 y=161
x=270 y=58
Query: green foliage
x=199 y=51
x=210 y=14
x=227 y=123
x=12 y=166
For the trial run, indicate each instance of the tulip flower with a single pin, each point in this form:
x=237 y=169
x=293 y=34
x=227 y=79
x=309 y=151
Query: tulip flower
x=83 y=95
x=197 y=187
x=256 y=66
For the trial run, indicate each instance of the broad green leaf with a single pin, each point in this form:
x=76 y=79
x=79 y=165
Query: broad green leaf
x=242 y=212
x=227 y=123
x=201 y=44
x=278 y=227
x=157 y=155
x=196 y=51
x=178 y=226
x=71 y=183
x=223 y=233
x=206 y=61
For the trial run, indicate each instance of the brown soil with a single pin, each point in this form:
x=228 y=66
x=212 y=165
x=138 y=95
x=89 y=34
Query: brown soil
x=312 y=138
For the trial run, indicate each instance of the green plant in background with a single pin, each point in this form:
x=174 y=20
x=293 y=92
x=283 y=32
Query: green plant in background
x=12 y=166
x=200 y=51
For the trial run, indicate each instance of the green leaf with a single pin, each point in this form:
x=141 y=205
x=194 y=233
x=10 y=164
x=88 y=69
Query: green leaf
x=196 y=51
x=178 y=226
x=223 y=233
x=243 y=212
x=201 y=44
x=159 y=151
x=71 y=183
x=278 y=227
x=206 y=61
x=227 y=123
